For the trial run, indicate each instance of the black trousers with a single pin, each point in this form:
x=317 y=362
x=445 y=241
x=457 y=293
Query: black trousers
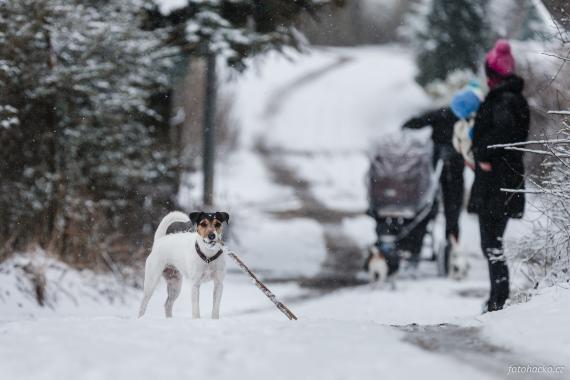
x=452 y=187
x=492 y=229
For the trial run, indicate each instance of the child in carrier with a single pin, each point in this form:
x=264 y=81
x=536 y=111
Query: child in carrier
x=464 y=105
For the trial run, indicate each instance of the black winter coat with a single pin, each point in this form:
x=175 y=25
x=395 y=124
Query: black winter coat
x=441 y=120
x=503 y=118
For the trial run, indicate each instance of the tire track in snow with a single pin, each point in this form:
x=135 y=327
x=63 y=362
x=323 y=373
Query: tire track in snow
x=343 y=256
x=465 y=344
x=279 y=96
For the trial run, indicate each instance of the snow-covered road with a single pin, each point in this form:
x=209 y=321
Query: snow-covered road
x=355 y=333
x=235 y=348
x=295 y=188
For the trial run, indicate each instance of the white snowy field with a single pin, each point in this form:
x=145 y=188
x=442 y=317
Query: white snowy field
x=306 y=127
x=344 y=335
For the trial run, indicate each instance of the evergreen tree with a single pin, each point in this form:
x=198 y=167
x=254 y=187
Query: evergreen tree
x=232 y=29
x=78 y=151
x=454 y=37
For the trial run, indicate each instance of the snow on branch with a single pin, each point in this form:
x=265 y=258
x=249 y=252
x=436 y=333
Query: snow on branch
x=543 y=142
x=166 y=7
x=540 y=152
x=545 y=251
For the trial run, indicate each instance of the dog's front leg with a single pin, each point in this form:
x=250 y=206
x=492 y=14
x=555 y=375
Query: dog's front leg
x=196 y=300
x=218 y=289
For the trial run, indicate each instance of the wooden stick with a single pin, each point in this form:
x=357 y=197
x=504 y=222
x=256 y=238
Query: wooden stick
x=284 y=309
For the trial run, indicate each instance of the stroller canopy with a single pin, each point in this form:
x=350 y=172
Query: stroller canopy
x=401 y=175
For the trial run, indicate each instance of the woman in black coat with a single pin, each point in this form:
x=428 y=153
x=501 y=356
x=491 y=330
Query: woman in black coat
x=503 y=118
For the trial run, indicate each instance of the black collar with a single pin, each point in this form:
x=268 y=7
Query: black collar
x=207 y=259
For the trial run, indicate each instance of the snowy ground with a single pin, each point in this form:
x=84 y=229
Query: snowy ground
x=295 y=190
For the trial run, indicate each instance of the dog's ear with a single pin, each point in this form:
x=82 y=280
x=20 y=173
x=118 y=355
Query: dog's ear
x=195 y=216
x=223 y=216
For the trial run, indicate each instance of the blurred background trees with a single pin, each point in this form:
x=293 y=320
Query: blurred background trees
x=86 y=163
x=82 y=151
x=453 y=37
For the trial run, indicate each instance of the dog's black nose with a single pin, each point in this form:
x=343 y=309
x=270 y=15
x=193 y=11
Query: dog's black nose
x=211 y=236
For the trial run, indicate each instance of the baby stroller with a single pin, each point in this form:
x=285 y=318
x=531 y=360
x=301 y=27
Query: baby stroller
x=403 y=190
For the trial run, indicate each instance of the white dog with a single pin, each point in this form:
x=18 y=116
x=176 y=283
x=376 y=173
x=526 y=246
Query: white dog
x=458 y=264
x=377 y=268
x=198 y=256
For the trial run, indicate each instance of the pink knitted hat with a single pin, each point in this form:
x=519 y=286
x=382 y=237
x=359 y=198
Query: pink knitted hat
x=500 y=60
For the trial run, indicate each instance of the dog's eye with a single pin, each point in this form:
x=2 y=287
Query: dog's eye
x=217 y=225
x=204 y=224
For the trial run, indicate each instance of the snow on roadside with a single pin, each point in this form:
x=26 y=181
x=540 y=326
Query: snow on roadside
x=538 y=327
x=83 y=293
x=67 y=290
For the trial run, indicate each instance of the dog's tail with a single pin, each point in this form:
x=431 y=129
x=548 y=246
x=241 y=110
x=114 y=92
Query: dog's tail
x=173 y=217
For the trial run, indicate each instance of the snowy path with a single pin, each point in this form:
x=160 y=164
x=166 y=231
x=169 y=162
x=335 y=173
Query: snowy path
x=104 y=348
x=295 y=188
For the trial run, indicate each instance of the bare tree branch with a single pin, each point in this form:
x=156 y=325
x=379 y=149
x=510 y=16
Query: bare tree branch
x=565 y=59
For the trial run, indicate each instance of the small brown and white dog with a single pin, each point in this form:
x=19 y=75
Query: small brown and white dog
x=458 y=263
x=377 y=267
x=198 y=256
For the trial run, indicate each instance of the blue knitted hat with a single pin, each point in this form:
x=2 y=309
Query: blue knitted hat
x=465 y=103
x=475 y=86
